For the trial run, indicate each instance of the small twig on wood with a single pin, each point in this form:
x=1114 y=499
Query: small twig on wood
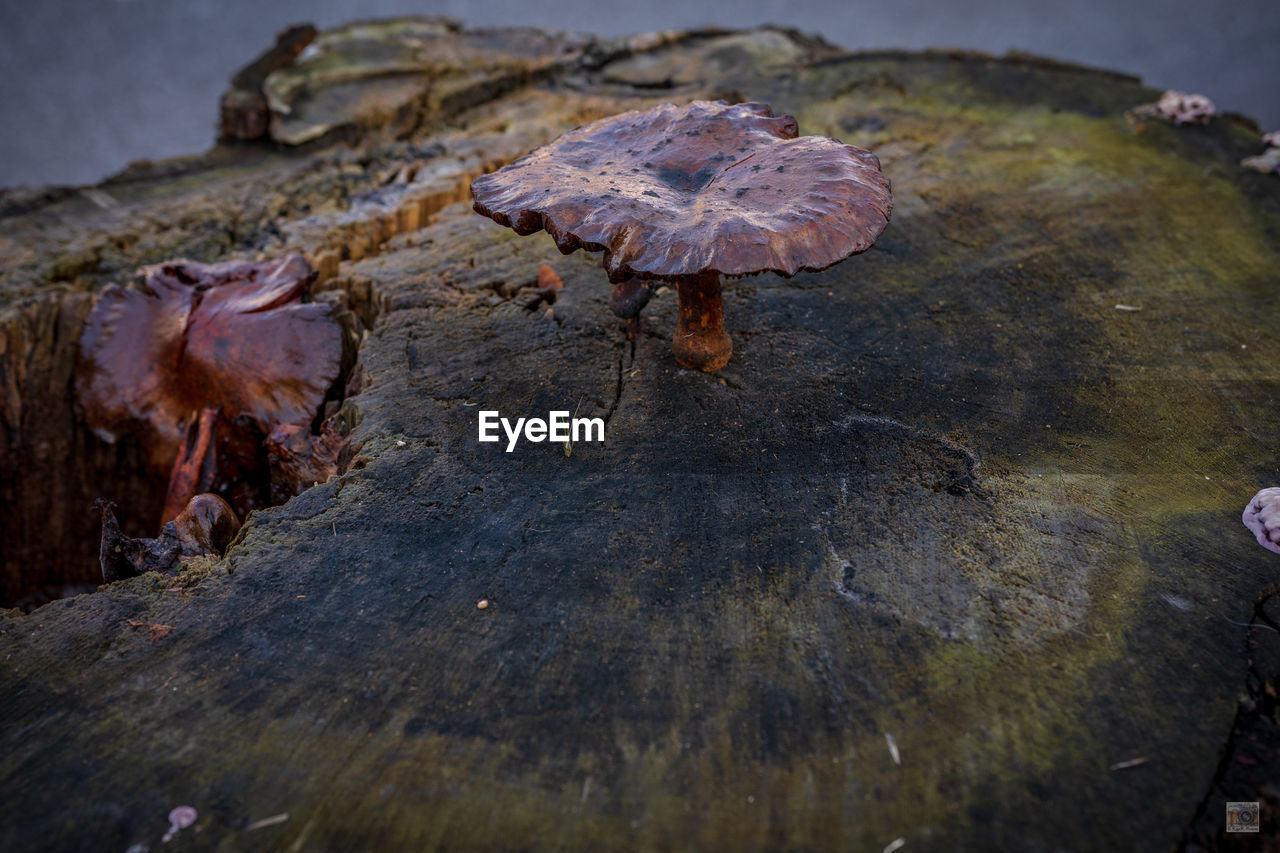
x=267 y=821
x=101 y=199
x=568 y=445
x=1251 y=625
x=1132 y=762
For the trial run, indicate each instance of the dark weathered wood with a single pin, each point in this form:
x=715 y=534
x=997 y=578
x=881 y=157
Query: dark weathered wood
x=950 y=541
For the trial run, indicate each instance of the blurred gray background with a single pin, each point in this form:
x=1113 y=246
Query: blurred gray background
x=88 y=85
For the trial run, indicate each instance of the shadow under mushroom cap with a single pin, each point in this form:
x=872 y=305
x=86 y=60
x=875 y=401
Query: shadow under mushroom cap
x=707 y=187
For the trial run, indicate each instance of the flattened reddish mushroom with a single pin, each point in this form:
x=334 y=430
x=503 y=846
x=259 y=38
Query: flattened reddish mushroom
x=224 y=352
x=689 y=194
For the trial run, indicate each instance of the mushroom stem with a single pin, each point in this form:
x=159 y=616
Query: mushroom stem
x=184 y=481
x=701 y=342
x=629 y=297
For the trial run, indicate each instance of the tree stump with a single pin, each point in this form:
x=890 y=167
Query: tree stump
x=950 y=552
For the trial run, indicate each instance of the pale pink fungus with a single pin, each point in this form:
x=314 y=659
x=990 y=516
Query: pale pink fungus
x=1262 y=516
x=182 y=817
x=1267 y=162
x=1180 y=108
x=179 y=819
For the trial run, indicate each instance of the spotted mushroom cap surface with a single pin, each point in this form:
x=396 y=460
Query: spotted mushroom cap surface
x=676 y=191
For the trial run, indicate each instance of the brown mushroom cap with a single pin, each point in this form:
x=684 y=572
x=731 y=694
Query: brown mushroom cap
x=232 y=335
x=707 y=187
x=206 y=525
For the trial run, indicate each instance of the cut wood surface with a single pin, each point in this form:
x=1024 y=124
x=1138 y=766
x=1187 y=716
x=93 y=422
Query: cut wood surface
x=950 y=552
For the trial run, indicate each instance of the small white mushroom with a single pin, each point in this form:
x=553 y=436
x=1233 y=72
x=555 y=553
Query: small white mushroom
x=179 y=819
x=1262 y=516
